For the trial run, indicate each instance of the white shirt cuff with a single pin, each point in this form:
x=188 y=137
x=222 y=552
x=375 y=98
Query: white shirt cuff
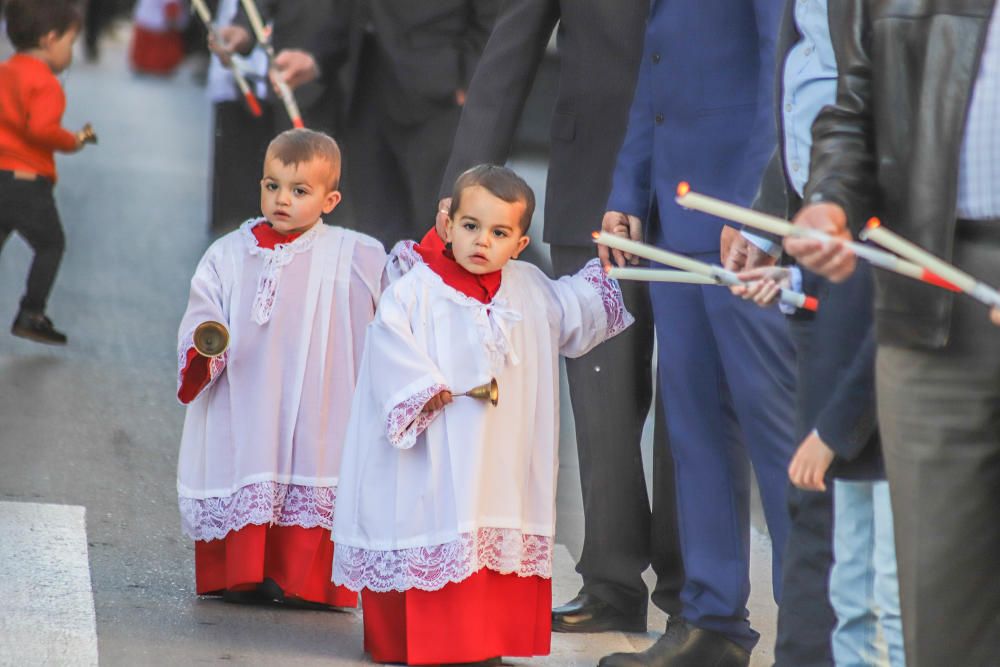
x=767 y=245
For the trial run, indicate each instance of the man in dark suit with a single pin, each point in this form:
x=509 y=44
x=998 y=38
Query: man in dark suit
x=703 y=112
x=405 y=67
x=599 y=44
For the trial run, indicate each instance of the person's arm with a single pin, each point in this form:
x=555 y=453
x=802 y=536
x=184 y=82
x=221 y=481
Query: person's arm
x=500 y=86
x=767 y=15
x=631 y=181
x=44 y=127
x=842 y=162
x=848 y=420
x=482 y=15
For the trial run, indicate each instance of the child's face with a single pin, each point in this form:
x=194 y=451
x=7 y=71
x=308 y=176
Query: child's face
x=486 y=231
x=57 y=50
x=294 y=196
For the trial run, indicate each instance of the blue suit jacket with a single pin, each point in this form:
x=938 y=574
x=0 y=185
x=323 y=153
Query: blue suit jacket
x=702 y=113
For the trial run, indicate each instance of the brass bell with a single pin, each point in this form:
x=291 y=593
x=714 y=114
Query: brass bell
x=211 y=338
x=485 y=392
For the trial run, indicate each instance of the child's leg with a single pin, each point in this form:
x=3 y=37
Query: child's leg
x=852 y=578
x=41 y=228
x=886 y=581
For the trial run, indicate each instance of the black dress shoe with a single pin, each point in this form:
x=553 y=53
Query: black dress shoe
x=705 y=648
x=586 y=613
x=37 y=327
x=657 y=655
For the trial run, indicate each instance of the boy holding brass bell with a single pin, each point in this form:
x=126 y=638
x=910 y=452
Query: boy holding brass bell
x=268 y=352
x=445 y=514
x=32 y=103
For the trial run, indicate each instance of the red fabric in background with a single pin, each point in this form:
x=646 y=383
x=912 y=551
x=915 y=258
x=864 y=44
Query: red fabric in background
x=485 y=616
x=298 y=559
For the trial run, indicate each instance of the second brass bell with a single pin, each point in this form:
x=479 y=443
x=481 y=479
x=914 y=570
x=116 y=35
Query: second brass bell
x=485 y=392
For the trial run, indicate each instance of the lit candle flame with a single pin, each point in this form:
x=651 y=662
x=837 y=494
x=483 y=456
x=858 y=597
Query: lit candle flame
x=683 y=188
x=873 y=223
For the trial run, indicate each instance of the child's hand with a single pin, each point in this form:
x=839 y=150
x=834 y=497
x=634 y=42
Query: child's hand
x=440 y=400
x=810 y=463
x=764 y=284
x=619 y=224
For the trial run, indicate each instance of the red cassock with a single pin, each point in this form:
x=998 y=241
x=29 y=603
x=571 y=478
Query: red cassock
x=298 y=559
x=484 y=616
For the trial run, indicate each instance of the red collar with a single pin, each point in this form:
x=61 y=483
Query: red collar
x=267 y=237
x=482 y=287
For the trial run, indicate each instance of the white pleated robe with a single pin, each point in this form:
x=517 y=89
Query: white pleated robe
x=262 y=442
x=428 y=499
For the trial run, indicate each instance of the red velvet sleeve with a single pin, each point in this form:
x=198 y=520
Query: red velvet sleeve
x=194 y=377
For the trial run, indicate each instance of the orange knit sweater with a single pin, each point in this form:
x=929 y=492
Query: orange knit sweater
x=32 y=103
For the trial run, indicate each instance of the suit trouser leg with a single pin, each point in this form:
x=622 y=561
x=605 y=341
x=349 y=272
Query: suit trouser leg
x=939 y=414
x=710 y=342
x=373 y=180
x=618 y=528
x=805 y=617
x=423 y=150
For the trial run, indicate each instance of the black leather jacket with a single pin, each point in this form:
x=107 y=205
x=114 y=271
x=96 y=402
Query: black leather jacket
x=890 y=145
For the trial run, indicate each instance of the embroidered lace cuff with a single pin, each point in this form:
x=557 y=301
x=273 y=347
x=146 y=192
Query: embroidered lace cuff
x=407 y=420
x=503 y=550
x=618 y=317
x=262 y=503
x=401 y=259
x=215 y=365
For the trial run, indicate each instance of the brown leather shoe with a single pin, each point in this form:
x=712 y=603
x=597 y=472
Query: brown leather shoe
x=586 y=613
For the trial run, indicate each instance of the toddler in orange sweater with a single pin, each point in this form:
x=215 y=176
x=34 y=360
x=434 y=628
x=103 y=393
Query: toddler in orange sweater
x=32 y=103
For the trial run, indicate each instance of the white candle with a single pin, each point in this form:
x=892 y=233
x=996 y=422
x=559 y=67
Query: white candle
x=202 y=10
x=779 y=227
x=716 y=273
x=660 y=276
x=284 y=92
x=979 y=290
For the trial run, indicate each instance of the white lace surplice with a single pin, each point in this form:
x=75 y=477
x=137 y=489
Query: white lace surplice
x=262 y=442
x=429 y=499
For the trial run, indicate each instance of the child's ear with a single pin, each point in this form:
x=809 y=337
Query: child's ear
x=448 y=222
x=522 y=243
x=48 y=39
x=333 y=198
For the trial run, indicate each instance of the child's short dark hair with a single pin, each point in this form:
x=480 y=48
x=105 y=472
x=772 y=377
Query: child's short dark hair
x=500 y=182
x=302 y=145
x=30 y=20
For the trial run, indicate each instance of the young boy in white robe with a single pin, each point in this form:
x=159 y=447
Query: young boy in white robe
x=446 y=509
x=260 y=452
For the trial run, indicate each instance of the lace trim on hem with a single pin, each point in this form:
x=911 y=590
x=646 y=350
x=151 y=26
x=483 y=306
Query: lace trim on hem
x=215 y=365
x=407 y=420
x=262 y=503
x=503 y=550
x=618 y=317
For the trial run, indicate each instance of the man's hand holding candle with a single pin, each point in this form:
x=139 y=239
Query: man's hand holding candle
x=835 y=261
x=231 y=39
x=626 y=226
x=297 y=67
x=764 y=284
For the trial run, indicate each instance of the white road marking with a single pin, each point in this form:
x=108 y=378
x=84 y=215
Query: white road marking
x=46 y=601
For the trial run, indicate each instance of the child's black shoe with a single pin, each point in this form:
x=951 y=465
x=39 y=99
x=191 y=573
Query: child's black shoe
x=37 y=327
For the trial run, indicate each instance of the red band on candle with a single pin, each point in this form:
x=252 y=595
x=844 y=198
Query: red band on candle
x=811 y=303
x=297 y=123
x=938 y=281
x=252 y=103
